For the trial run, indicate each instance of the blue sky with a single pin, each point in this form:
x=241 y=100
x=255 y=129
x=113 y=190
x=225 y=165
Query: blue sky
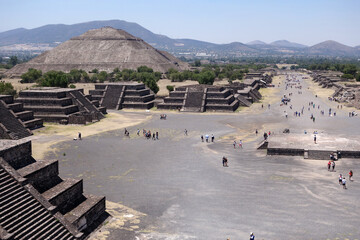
x=220 y=21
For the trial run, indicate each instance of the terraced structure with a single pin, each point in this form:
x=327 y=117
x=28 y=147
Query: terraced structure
x=35 y=203
x=64 y=105
x=123 y=95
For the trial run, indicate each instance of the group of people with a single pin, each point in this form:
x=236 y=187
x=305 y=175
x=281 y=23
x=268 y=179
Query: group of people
x=240 y=144
x=342 y=179
x=147 y=134
x=207 y=138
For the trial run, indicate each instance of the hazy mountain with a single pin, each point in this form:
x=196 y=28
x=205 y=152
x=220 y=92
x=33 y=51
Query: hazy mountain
x=287 y=44
x=45 y=37
x=256 y=42
x=332 y=48
x=61 y=33
x=358 y=47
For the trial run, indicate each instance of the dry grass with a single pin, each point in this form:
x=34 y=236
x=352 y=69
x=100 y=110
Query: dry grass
x=165 y=82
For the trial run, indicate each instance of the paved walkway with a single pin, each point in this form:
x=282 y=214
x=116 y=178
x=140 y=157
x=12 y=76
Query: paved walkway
x=180 y=185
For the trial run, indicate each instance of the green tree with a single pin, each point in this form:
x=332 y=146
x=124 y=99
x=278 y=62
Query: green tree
x=54 y=79
x=13 y=60
x=144 y=69
x=197 y=63
x=32 y=75
x=170 y=88
x=7 y=89
x=103 y=76
x=206 y=77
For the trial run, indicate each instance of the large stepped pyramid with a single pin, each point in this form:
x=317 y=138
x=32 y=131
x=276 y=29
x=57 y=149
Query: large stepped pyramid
x=11 y=127
x=35 y=203
x=123 y=95
x=61 y=105
x=200 y=98
x=104 y=49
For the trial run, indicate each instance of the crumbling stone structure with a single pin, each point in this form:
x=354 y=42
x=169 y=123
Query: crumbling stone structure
x=123 y=95
x=35 y=203
x=62 y=105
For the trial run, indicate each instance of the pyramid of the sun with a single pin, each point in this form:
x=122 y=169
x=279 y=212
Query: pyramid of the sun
x=104 y=49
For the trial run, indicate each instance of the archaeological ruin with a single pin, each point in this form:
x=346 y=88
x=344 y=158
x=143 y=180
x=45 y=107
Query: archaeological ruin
x=123 y=95
x=201 y=98
x=63 y=105
x=346 y=91
x=35 y=203
x=104 y=49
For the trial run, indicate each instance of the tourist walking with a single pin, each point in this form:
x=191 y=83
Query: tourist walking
x=225 y=161
x=351 y=175
x=256 y=132
x=157 y=135
x=207 y=138
x=138 y=132
x=315 y=139
x=344 y=183
x=212 y=137
x=234 y=143
x=340 y=179
x=240 y=144
x=252 y=236
x=202 y=138
x=333 y=166
x=79 y=135
x=185 y=132
x=329 y=165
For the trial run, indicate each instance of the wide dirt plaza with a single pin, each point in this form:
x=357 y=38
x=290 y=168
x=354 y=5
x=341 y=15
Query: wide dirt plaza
x=177 y=188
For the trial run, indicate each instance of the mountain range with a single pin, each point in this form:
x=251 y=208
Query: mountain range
x=48 y=36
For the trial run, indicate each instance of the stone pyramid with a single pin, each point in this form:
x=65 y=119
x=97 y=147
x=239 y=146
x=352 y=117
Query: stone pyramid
x=104 y=49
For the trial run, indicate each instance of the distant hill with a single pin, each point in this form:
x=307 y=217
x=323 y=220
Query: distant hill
x=256 y=42
x=287 y=44
x=48 y=36
x=332 y=48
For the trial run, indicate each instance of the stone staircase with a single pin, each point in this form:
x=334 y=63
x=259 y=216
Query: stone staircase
x=23 y=216
x=27 y=117
x=175 y=100
x=193 y=102
x=59 y=104
x=63 y=197
x=10 y=126
x=123 y=95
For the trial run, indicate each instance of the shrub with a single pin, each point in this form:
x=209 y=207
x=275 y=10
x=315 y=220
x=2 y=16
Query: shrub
x=7 y=89
x=31 y=76
x=170 y=88
x=72 y=86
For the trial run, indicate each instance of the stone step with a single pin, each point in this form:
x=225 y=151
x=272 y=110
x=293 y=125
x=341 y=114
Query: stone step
x=59 y=233
x=17 y=206
x=16 y=107
x=7 y=185
x=90 y=210
x=13 y=201
x=45 y=101
x=35 y=212
x=42 y=228
x=13 y=190
x=25 y=115
x=13 y=195
x=26 y=232
x=42 y=233
x=65 y=194
x=33 y=123
x=23 y=216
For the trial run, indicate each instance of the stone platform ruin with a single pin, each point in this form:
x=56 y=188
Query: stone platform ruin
x=36 y=203
x=303 y=145
x=62 y=105
x=123 y=95
x=200 y=98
